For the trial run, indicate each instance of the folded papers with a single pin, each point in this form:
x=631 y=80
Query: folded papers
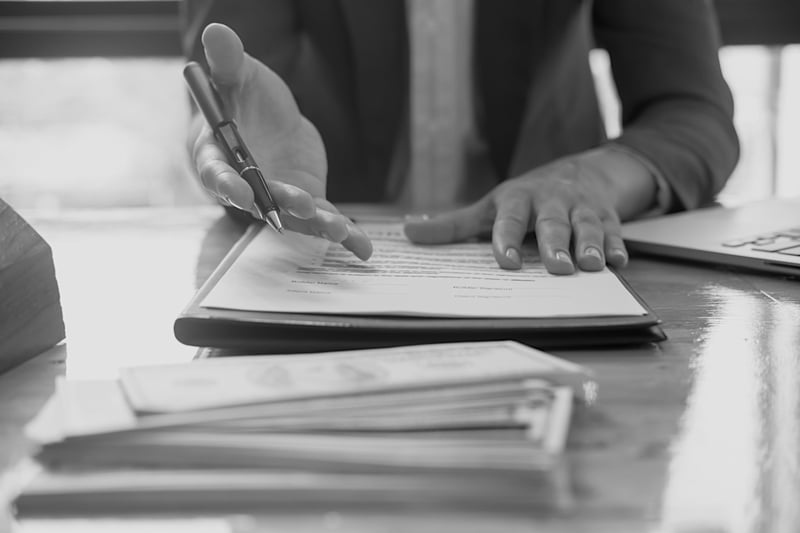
x=448 y=424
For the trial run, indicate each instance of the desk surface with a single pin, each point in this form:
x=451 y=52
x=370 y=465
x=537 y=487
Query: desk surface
x=702 y=430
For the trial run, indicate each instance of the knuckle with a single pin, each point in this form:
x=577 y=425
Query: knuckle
x=558 y=188
x=612 y=226
x=512 y=219
x=512 y=199
x=208 y=175
x=295 y=192
x=583 y=215
x=553 y=221
x=325 y=217
x=614 y=239
x=325 y=205
x=589 y=231
x=608 y=214
x=203 y=145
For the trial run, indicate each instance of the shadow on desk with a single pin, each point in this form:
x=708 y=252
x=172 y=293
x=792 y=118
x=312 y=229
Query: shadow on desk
x=217 y=242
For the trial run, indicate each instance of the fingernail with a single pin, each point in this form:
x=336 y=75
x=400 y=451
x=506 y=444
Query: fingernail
x=621 y=254
x=592 y=251
x=227 y=200
x=513 y=255
x=236 y=205
x=563 y=257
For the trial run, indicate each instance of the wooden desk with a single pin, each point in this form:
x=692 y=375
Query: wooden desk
x=701 y=430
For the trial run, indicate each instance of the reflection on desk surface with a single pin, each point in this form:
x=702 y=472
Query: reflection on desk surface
x=734 y=463
x=699 y=433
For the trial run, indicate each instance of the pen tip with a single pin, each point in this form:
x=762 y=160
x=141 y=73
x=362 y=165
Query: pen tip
x=274 y=221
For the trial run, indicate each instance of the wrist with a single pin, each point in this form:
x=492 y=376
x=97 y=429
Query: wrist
x=631 y=184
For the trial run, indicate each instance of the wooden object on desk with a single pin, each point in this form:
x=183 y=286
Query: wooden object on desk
x=30 y=308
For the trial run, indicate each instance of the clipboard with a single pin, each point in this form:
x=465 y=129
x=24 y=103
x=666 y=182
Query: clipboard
x=238 y=331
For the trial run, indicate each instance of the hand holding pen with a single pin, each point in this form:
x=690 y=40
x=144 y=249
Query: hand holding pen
x=259 y=153
x=226 y=133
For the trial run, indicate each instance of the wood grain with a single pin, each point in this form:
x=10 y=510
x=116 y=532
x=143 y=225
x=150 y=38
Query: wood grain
x=30 y=309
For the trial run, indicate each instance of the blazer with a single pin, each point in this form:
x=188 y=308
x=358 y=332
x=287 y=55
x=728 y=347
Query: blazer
x=346 y=62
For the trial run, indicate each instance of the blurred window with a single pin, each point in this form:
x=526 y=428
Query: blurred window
x=94 y=110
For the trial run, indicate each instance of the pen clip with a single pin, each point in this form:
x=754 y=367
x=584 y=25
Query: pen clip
x=228 y=136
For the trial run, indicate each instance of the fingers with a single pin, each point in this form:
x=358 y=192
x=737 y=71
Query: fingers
x=588 y=237
x=223 y=182
x=553 y=233
x=357 y=240
x=293 y=200
x=453 y=226
x=287 y=147
x=511 y=224
x=305 y=213
x=616 y=254
x=218 y=177
x=596 y=238
x=329 y=224
x=225 y=54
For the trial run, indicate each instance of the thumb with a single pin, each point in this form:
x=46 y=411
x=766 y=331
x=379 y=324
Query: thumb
x=453 y=226
x=254 y=93
x=224 y=54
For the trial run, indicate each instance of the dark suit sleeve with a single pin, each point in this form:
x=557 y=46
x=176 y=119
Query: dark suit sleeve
x=677 y=110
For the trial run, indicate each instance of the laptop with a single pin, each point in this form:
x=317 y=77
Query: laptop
x=763 y=235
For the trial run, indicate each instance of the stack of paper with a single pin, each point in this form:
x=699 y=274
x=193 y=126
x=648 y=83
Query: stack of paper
x=469 y=423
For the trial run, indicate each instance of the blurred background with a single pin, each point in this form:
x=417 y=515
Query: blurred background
x=93 y=111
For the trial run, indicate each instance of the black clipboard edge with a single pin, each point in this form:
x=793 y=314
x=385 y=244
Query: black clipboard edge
x=269 y=332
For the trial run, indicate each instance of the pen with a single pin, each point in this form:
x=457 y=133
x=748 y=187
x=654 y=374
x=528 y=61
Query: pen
x=227 y=135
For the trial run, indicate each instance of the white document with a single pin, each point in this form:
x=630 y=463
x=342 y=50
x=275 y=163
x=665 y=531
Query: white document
x=81 y=407
x=295 y=273
x=213 y=383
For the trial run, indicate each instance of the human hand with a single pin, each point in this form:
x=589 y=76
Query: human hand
x=573 y=205
x=286 y=146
